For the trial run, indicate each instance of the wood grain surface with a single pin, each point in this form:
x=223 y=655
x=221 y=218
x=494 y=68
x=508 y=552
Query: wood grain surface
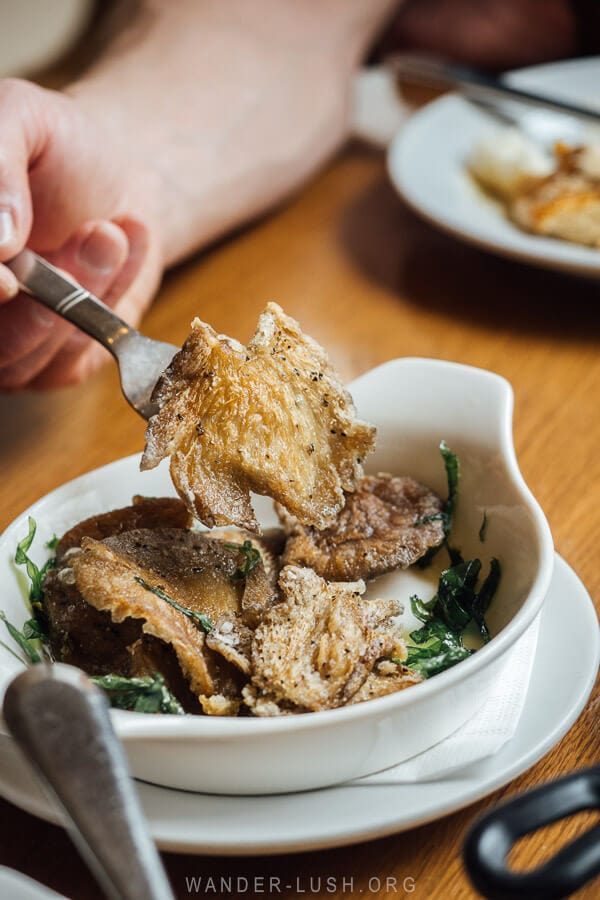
x=371 y=282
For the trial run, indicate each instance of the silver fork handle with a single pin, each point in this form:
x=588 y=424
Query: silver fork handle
x=60 y=720
x=70 y=300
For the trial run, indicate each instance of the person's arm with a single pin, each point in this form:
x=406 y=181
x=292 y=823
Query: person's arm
x=199 y=116
x=230 y=105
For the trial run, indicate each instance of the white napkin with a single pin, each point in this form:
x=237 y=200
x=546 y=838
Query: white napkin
x=483 y=735
x=378 y=110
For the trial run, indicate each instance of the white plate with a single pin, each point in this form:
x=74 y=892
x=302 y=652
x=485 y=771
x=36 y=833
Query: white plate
x=16 y=886
x=208 y=824
x=414 y=403
x=426 y=162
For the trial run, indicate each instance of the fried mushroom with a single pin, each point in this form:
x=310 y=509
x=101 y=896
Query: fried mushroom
x=133 y=576
x=314 y=650
x=387 y=677
x=272 y=418
x=256 y=598
x=383 y=526
x=145 y=512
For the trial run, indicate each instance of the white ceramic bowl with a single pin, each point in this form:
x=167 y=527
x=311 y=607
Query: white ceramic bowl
x=414 y=403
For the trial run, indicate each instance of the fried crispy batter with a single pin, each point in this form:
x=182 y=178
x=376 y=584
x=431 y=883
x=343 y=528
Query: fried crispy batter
x=193 y=570
x=314 y=650
x=233 y=640
x=88 y=638
x=107 y=581
x=271 y=418
x=386 y=678
x=374 y=533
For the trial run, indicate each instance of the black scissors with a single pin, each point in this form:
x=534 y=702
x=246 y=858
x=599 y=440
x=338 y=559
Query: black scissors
x=491 y=839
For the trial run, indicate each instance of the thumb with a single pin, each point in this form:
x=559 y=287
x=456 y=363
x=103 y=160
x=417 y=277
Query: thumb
x=20 y=138
x=21 y=135
x=94 y=255
x=15 y=217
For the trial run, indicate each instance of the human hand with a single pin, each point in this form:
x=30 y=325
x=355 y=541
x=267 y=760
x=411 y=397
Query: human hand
x=69 y=192
x=161 y=148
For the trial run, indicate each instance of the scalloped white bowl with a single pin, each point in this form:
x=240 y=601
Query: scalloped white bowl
x=414 y=403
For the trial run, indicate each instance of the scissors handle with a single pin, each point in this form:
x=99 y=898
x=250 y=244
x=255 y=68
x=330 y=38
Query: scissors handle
x=490 y=841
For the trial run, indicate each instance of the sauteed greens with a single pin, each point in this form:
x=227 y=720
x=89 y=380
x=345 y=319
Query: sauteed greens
x=438 y=645
x=200 y=619
x=148 y=693
x=251 y=559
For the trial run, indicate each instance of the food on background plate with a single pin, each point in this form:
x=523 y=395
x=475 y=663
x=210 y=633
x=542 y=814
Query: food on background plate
x=556 y=196
x=271 y=417
x=505 y=161
x=169 y=618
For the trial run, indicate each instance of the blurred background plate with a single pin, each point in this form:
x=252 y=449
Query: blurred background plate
x=426 y=162
x=35 y=33
x=16 y=886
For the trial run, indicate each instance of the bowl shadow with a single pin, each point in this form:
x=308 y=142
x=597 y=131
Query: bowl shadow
x=406 y=256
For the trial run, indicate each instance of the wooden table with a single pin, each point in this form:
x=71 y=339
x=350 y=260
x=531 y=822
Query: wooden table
x=370 y=282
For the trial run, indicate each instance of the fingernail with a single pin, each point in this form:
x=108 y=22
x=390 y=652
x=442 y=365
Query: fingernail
x=7 y=227
x=98 y=250
x=9 y=286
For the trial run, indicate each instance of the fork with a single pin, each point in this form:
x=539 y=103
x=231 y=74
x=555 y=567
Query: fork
x=141 y=360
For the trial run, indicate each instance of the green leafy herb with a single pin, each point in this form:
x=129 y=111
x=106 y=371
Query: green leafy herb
x=36 y=577
x=33 y=637
x=31 y=653
x=439 y=643
x=452 y=476
x=446 y=514
x=12 y=652
x=435 y=647
x=422 y=610
x=52 y=544
x=147 y=693
x=483 y=528
x=198 y=618
x=252 y=558
x=485 y=596
x=33 y=630
x=456 y=593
